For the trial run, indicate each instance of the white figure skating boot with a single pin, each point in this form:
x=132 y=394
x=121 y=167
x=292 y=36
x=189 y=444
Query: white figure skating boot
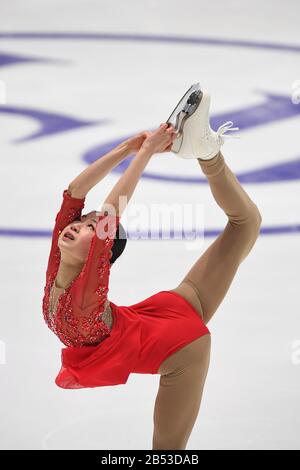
x=195 y=138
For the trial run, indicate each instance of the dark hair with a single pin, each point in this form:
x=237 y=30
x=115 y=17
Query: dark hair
x=119 y=243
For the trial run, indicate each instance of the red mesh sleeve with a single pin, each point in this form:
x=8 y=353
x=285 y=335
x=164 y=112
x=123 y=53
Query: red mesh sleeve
x=70 y=210
x=91 y=287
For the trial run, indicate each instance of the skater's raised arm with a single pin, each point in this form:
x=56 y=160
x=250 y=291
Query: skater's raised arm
x=125 y=186
x=159 y=141
x=95 y=172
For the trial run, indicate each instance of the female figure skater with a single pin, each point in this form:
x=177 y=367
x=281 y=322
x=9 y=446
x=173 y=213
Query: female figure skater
x=165 y=333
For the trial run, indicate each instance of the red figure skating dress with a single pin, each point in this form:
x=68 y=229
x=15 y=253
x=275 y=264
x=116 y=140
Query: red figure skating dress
x=142 y=335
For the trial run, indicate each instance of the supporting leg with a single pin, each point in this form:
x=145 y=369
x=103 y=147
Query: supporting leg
x=179 y=395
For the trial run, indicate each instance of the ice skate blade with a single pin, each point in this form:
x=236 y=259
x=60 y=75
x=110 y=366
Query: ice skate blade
x=184 y=109
x=190 y=144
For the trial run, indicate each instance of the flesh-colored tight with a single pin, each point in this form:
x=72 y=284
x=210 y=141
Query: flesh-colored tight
x=183 y=374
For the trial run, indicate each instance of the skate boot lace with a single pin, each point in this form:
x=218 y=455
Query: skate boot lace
x=227 y=126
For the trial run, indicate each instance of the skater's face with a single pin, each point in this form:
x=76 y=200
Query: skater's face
x=81 y=230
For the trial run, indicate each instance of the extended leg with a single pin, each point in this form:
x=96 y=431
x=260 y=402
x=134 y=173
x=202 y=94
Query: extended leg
x=209 y=279
x=179 y=395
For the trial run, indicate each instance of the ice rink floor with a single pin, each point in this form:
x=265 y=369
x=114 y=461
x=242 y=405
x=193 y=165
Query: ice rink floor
x=76 y=79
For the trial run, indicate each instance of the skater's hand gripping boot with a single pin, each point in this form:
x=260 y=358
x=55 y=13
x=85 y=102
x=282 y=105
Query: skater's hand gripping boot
x=160 y=140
